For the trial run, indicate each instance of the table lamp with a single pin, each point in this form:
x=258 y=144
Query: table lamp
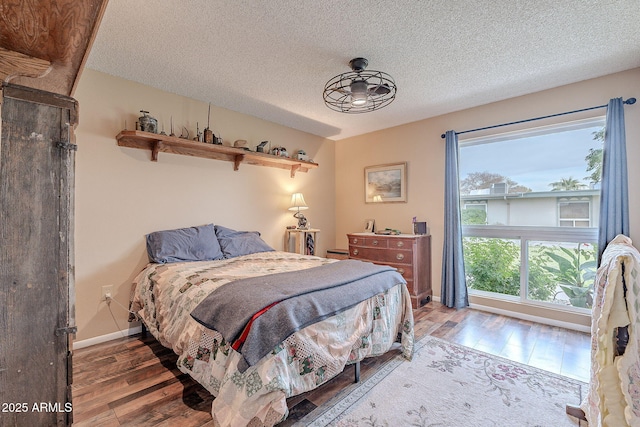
x=298 y=204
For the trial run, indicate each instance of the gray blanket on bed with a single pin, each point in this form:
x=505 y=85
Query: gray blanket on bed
x=306 y=297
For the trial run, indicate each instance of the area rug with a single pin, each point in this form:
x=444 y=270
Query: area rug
x=451 y=385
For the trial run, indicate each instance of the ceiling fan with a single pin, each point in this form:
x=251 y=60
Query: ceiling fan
x=359 y=90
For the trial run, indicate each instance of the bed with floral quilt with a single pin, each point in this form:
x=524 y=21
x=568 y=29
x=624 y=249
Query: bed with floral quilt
x=165 y=296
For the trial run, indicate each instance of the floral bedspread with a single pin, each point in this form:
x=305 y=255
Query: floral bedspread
x=613 y=399
x=164 y=296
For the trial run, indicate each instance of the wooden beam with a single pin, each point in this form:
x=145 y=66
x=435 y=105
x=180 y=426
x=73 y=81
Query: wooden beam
x=58 y=31
x=14 y=64
x=102 y=6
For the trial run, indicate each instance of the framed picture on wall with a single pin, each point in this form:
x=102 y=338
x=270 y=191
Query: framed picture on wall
x=385 y=183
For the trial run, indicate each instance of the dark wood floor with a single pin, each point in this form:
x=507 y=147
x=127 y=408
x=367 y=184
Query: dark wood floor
x=134 y=381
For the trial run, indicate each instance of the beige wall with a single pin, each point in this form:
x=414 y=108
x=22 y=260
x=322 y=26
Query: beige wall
x=121 y=195
x=419 y=144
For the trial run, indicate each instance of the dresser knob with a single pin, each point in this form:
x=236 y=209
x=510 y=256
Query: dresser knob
x=400 y=243
x=401 y=271
x=355 y=252
x=375 y=242
x=355 y=241
x=400 y=257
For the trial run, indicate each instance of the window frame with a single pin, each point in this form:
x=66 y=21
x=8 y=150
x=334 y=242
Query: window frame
x=526 y=234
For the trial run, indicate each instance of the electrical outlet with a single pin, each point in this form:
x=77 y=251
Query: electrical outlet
x=107 y=291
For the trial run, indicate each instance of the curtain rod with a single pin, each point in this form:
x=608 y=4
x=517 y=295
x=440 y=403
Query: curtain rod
x=629 y=101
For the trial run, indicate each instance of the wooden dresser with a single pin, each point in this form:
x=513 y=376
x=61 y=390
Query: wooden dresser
x=409 y=254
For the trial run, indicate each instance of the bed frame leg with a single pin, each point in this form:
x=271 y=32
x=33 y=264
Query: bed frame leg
x=357 y=371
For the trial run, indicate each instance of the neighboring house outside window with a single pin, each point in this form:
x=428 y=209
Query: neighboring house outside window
x=546 y=209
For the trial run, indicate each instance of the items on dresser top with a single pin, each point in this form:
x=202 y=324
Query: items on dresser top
x=388 y=232
x=409 y=254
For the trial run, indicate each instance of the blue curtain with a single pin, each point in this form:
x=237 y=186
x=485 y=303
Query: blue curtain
x=454 y=285
x=614 y=194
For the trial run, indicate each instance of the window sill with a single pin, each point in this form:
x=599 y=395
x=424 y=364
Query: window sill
x=562 y=317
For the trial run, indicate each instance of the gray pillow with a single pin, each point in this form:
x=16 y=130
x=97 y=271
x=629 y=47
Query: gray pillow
x=236 y=243
x=184 y=244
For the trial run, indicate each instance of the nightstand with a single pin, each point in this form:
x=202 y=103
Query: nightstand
x=300 y=240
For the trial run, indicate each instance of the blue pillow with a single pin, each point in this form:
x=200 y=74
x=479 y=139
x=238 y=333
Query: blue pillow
x=236 y=243
x=184 y=244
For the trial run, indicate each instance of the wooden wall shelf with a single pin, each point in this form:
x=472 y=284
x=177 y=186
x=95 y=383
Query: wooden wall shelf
x=157 y=143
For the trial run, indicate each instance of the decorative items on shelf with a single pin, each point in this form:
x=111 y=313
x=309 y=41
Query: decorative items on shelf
x=208 y=133
x=241 y=143
x=182 y=135
x=260 y=147
x=170 y=144
x=147 y=123
x=198 y=136
x=302 y=155
x=209 y=136
x=280 y=151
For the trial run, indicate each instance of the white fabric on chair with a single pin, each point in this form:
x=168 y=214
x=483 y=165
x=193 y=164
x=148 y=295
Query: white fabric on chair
x=613 y=399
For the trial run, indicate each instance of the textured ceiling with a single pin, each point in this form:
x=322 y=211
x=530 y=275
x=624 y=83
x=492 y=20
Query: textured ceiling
x=272 y=58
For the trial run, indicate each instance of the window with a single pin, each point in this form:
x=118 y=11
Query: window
x=574 y=213
x=474 y=213
x=530 y=200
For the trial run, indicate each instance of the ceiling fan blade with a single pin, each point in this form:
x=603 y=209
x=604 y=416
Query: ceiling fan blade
x=378 y=90
x=344 y=91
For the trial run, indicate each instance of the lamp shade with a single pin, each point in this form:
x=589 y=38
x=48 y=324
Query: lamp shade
x=297 y=202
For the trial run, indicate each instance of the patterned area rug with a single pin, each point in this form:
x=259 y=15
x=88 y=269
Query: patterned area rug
x=450 y=385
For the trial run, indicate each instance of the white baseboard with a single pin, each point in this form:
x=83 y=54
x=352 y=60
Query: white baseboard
x=522 y=316
x=108 y=337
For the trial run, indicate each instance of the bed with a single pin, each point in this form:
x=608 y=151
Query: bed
x=165 y=296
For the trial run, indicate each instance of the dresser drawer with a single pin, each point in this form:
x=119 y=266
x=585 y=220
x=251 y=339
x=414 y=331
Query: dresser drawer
x=400 y=244
x=371 y=242
x=385 y=256
x=404 y=270
x=380 y=242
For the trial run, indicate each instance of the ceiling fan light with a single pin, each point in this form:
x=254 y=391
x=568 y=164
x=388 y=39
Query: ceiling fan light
x=358 y=101
x=360 y=90
x=359 y=93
